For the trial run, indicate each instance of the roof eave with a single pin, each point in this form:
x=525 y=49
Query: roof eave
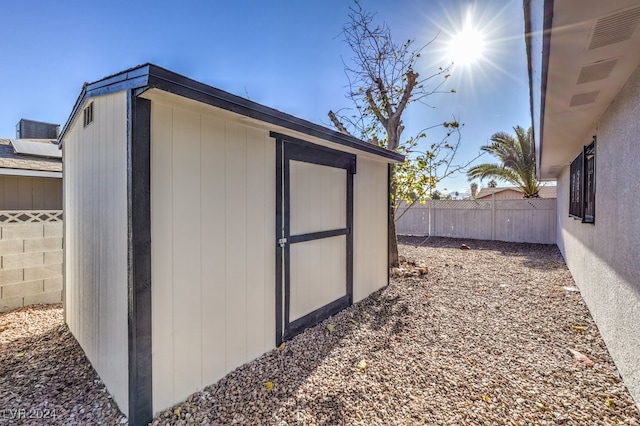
x=539 y=36
x=150 y=76
x=131 y=78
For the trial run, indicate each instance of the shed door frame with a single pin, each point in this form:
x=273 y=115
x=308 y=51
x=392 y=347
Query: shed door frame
x=287 y=149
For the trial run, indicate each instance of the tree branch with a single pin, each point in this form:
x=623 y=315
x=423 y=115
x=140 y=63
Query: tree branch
x=336 y=122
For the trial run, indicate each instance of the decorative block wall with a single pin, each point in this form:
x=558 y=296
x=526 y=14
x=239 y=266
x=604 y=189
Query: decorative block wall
x=30 y=258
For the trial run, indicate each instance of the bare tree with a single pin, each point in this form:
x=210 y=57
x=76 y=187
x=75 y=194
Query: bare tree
x=382 y=83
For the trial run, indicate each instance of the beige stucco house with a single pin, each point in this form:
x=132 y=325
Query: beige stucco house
x=30 y=179
x=512 y=193
x=202 y=229
x=584 y=73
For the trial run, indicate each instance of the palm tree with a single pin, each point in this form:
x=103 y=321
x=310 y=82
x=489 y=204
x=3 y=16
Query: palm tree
x=474 y=190
x=518 y=161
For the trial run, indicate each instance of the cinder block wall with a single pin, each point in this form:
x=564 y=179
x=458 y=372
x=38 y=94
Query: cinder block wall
x=30 y=264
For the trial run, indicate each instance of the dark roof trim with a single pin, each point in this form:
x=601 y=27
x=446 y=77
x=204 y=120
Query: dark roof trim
x=132 y=78
x=544 y=72
x=150 y=76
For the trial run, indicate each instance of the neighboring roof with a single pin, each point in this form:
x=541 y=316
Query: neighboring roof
x=548 y=191
x=488 y=191
x=9 y=160
x=580 y=54
x=149 y=76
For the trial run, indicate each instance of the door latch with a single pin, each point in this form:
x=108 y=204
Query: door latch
x=282 y=242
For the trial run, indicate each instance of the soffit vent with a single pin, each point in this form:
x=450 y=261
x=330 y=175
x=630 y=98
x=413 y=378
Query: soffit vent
x=583 y=98
x=554 y=169
x=615 y=28
x=596 y=71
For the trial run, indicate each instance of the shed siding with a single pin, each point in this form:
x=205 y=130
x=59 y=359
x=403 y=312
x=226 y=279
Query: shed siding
x=30 y=193
x=370 y=207
x=213 y=248
x=213 y=242
x=318 y=200
x=95 y=241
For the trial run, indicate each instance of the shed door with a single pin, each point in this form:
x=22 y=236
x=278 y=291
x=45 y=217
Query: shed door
x=314 y=274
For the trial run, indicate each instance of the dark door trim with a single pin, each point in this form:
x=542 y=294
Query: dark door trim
x=287 y=149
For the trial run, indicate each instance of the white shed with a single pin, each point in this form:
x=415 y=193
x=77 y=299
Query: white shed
x=202 y=229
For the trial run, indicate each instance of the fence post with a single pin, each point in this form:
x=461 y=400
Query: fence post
x=430 y=203
x=493 y=216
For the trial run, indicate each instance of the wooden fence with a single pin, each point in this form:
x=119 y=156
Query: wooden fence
x=530 y=220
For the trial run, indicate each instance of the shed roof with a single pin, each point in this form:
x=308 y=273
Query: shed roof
x=545 y=191
x=148 y=76
x=11 y=161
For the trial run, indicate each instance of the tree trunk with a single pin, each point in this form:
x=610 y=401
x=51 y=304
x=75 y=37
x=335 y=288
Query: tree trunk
x=393 y=240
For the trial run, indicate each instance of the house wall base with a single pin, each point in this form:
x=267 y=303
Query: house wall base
x=604 y=258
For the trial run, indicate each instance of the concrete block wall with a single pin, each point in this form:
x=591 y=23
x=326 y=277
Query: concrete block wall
x=30 y=264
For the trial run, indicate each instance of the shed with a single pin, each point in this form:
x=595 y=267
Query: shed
x=202 y=229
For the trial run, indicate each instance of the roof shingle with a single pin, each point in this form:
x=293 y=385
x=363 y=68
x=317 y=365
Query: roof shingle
x=10 y=160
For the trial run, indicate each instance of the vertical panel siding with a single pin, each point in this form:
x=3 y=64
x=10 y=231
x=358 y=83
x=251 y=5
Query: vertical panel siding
x=255 y=245
x=30 y=193
x=317 y=274
x=318 y=198
x=213 y=248
x=370 y=193
x=236 y=244
x=213 y=255
x=162 y=254
x=269 y=239
x=186 y=252
x=96 y=241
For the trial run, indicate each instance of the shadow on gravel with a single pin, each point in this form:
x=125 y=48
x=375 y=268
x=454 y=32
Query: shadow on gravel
x=534 y=255
x=46 y=379
x=242 y=397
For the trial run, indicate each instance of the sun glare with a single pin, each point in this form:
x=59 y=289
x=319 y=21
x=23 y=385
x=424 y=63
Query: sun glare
x=466 y=46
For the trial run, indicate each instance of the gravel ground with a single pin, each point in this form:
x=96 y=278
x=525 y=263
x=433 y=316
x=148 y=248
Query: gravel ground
x=482 y=338
x=44 y=376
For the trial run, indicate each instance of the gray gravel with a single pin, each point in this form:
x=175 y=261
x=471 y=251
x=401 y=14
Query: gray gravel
x=482 y=338
x=45 y=379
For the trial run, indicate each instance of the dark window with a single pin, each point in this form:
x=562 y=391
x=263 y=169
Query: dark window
x=88 y=115
x=582 y=184
x=575 y=206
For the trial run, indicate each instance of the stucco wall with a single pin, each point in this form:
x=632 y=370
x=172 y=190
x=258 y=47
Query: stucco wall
x=604 y=258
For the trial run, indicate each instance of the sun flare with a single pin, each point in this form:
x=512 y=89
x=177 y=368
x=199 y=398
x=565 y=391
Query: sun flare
x=466 y=46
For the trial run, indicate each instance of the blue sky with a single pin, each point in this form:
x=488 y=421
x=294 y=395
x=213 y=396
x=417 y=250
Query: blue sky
x=282 y=53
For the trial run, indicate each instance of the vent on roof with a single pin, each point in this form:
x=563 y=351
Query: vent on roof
x=596 y=71
x=583 y=98
x=615 y=28
x=554 y=169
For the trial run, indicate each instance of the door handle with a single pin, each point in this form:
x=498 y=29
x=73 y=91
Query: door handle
x=282 y=242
